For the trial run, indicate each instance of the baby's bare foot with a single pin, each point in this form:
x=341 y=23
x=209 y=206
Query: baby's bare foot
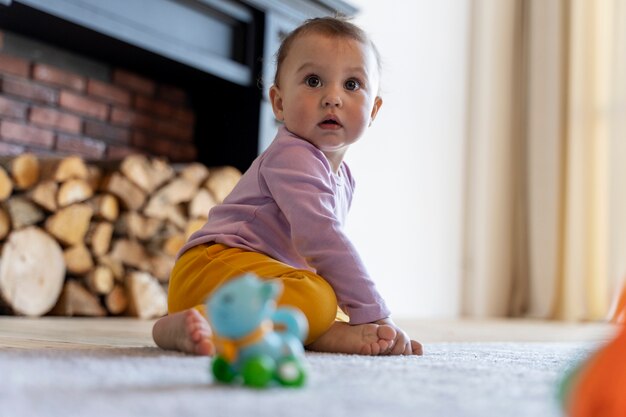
x=186 y=331
x=417 y=348
x=362 y=339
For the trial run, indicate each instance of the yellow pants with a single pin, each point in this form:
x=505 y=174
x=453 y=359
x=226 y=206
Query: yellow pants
x=203 y=268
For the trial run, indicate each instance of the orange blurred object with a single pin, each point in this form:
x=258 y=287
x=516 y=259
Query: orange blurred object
x=599 y=386
x=619 y=311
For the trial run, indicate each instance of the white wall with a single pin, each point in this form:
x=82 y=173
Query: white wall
x=406 y=215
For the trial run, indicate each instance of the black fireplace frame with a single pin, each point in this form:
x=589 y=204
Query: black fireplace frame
x=222 y=74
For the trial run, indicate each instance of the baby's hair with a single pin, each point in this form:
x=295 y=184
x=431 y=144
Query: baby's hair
x=338 y=27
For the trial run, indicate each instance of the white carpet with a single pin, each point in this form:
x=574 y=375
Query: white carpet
x=455 y=379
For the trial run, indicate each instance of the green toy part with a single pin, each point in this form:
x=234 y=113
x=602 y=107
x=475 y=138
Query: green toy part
x=258 y=371
x=289 y=372
x=222 y=371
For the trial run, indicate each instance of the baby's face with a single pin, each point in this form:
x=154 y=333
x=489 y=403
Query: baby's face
x=327 y=92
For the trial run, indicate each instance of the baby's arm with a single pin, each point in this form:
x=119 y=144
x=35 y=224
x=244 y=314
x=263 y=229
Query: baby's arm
x=300 y=182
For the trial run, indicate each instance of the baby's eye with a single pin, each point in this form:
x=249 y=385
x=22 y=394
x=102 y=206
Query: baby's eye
x=313 y=81
x=352 y=85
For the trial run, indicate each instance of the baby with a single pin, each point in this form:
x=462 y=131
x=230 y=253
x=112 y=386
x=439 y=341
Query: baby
x=284 y=219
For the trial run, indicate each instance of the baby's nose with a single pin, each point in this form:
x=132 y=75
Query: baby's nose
x=332 y=101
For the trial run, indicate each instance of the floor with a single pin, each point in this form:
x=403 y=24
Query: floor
x=66 y=333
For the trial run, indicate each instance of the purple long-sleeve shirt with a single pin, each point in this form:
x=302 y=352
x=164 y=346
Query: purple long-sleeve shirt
x=291 y=206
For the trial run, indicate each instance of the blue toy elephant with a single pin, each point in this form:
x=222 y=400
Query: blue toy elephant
x=254 y=340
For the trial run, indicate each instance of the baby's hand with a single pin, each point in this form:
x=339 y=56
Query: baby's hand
x=402 y=344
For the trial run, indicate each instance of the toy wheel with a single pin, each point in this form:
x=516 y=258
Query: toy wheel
x=222 y=370
x=291 y=373
x=258 y=371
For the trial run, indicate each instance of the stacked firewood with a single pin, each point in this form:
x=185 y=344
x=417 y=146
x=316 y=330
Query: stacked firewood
x=96 y=239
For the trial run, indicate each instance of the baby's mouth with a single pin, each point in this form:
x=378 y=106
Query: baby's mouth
x=330 y=123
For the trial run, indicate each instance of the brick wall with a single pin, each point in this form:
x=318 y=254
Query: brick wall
x=52 y=111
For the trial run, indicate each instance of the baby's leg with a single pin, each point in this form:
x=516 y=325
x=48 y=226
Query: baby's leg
x=305 y=290
x=316 y=299
x=186 y=331
x=362 y=339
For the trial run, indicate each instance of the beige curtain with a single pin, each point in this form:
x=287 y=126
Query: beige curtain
x=545 y=203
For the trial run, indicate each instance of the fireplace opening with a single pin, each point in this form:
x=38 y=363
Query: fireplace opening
x=225 y=120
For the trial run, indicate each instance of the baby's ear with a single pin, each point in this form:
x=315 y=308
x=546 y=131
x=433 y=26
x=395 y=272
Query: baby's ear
x=378 y=102
x=276 y=99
